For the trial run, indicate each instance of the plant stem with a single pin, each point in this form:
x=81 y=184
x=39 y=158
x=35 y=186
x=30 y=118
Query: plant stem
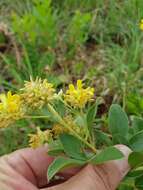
x=124 y=96
x=35 y=117
x=62 y=122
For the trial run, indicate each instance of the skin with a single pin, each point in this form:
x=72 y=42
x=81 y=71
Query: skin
x=26 y=170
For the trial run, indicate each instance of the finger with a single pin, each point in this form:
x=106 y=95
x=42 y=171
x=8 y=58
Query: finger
x=32 y=164
x=102 y=177
x=13 y=181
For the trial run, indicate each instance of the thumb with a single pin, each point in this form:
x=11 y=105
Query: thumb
x=102 y=177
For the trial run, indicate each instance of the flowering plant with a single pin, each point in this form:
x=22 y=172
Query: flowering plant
x=74 y=136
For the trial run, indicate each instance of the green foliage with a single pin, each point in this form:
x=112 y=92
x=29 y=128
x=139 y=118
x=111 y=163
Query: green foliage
x=55 y=148
x=37 y=26
x=36 y=33
x=91 y=114
x=118 y=124
x=39 y=37
x=71 y=5
x=78 y=30
x=137 y=124
x=136 y=142
x=12 y=138
x=136 y=173
x=102 y=138
x=126 y=186
x=90 y=117
x=139 y=183
x=72 y=147
x=110 y=153
x=60 y=163
x=134 y=135
x=134 y=104
x=136 y=159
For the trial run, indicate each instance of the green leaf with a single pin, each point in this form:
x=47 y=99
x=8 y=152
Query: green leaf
x=73 y=147
x=59 y=107
x=91 y=115
x=118 y=122
x=134 y=103
x=137 y=124
x=139 y=183
x=135 y=159
x=126 y=187
x=135 y=173
x=60 y=163
x=92 y=111
x=126 y=184
x=80 y=121
x=110 y=153
x=120 y=139
x=102 y=138
x=136 y=142
x=55 y=148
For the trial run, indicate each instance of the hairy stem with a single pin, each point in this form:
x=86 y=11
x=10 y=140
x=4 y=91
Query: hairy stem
x=35 y=117
x=62 y=122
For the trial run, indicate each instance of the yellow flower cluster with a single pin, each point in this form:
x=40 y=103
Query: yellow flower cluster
x=37 y=93
x=40 y=138
x=69 y=120
x=10 y=109
x=79 y=96
x=59 y=129
x=141 y=24
x=43 y=137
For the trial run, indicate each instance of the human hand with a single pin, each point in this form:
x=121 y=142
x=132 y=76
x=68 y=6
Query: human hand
x=27 y=170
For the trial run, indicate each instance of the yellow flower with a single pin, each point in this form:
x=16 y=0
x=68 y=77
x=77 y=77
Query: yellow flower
x=10 y=103
x=141 y=24
x=40 y=138
x=10 y=109
x=37 y=93
x=79 y=96
x=69 y=120
x=58 y=129
x=80 y=130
